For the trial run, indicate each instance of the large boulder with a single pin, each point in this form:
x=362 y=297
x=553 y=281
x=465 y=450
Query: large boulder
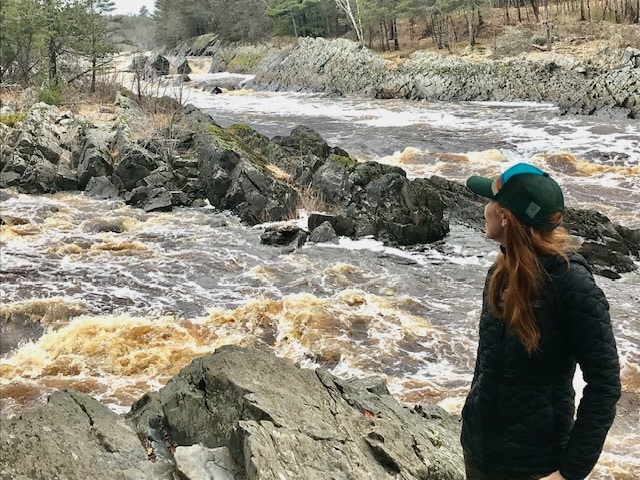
x=33 y=159
x=275 y=420
x=94 y=157
x=233 y=171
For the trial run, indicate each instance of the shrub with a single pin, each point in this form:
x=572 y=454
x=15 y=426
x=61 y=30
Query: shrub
x=10 y=119
x=50 y=95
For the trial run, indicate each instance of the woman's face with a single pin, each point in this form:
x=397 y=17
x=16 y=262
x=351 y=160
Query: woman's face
x=495 y=220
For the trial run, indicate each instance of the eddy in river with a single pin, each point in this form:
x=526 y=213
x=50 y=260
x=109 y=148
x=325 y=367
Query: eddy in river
x=542 y=314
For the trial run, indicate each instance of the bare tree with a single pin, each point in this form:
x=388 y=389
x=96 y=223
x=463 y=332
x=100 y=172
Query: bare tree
x=345 y=6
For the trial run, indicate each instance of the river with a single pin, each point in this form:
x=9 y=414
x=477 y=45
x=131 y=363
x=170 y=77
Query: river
x=113 y=301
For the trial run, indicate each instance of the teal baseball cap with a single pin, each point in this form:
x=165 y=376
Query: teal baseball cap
x=526 y=191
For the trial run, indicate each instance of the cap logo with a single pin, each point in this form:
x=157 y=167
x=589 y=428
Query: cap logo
x=532 y=210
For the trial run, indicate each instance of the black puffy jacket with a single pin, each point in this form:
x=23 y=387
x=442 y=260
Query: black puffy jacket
x=519 y=414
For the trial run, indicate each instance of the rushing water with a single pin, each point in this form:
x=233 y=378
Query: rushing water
x=113 y=301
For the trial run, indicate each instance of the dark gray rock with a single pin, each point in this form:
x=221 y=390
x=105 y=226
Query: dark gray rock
x=150 y=199
x=280 y=421
x=324 y=233
x=94 y=158
x=74 y=437
x=34 y=174
x=150 y=66
x=608 y=248
x=159 y=200
x=233 y=177
x=284 y=235
x=135 y=164
x=101 y=187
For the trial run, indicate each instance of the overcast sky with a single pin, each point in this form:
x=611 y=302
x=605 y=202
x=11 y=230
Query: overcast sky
x=132 y=7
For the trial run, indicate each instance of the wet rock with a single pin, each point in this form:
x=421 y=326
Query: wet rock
x=608 y=248
x=159 y=200
x=284 y=235
x=324 y=233
x=135 y=164
x=150 y=199
x=151 y=65
x=101 y=187
x=74 y=437
x=94 y=158
x=33 y=174
x=234 y=176
x=279 y=421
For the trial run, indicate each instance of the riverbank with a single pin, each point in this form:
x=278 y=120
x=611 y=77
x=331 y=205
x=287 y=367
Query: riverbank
x=579 y=85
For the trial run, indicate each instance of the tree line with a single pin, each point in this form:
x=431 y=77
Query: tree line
x=371 y=22
x=36 y=34
x=49 y=42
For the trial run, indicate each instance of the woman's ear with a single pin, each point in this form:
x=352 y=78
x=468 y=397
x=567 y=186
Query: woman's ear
x=504 y=222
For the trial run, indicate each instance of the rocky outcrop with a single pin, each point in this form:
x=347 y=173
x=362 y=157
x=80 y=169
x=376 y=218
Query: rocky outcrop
x=32 y=157
x=225 y=57
x=260 y=179
x=319 y=65
x=344 y=67
x=234 y=415
x=613 y=92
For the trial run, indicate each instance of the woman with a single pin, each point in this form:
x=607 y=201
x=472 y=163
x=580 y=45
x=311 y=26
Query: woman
x=542 y=314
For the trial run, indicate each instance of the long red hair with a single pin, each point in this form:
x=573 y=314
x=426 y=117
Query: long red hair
x=517 y=277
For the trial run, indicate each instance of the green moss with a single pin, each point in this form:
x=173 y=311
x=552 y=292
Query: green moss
x=347 y=163
x=244 y=62
x=10 y=119
x=222 y=139
x=240 y=129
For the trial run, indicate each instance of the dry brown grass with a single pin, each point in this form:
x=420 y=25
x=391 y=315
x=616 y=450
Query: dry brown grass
x=312 y=200
x=278 y=173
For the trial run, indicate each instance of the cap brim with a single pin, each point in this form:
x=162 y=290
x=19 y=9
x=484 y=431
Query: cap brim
x=481 y=186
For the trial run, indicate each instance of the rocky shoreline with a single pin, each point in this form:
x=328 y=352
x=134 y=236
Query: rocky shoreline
x=237 y=414
x=259 y=179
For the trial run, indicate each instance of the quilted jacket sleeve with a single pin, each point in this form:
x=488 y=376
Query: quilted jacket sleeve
x=594 y=347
